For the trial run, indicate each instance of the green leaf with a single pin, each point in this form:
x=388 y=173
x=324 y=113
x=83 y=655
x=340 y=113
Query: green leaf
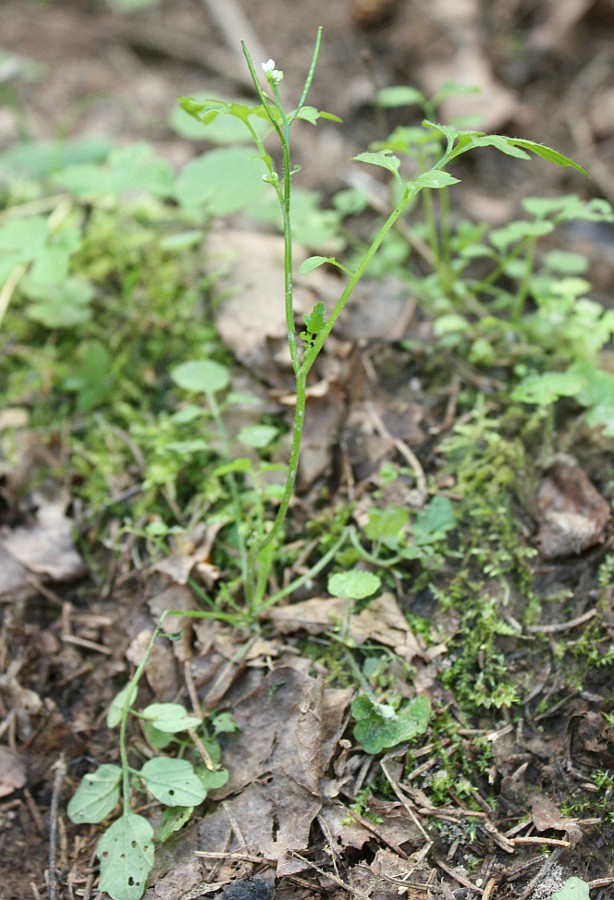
x=157 y=739
x=434 y=522
x=311 y=114
x=257 y=436
x=354 y=585
x=21 y=241
x=61 y=305
x=96 y=796
x=436 y=178
x=190 y=120
x=126 y=854
x=39 y=159
x=546 y=388
x=308 y=265
x=573 y=889
x=220 y=182
x=379 y=726
x=93 y=379
x=547 y=153
x=202 y=375
x=223 y=723
x=383 y=158
x=400 y=95
x=211 y=779
x=128 y=169
x=170 y=717
x=387 y=525
x=173 y=782
x=172 y=819
x=315 y=322
x=117 y=704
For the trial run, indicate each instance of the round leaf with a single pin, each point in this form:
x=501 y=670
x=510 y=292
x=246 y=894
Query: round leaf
x=173 y=782
x=96 y=796
x=203 y=375
x=354 y=585
x=170 y=717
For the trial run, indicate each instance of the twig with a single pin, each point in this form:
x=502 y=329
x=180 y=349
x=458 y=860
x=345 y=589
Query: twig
x=58 y=782
x=562 y=626
x=401 y=447
x=232 y=22
x=34 y=811
x=458 y=877
x=540 y=875
x=554 y=842
x=397 y=790
x=325 y=874
x=87 y=645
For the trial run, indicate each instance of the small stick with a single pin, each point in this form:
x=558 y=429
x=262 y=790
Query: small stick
x=338 y=881
x=563 y=626
x=34 y=811
x=401 y=447
x=554 y=842
x=232 y=22
x=58 y=782
x=458 y=877
x=397 y=790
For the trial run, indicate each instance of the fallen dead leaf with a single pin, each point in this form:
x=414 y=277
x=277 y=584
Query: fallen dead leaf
x=251 y=320
x=12 y=772
x=381 y=620
x=546 y=815
x=46 y=547
x=289 y=727
x=573 y=515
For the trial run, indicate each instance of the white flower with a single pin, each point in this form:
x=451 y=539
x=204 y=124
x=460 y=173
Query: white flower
x=273 y=75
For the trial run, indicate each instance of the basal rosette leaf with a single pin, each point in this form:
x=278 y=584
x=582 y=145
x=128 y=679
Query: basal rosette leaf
x=126 y=854
x=96 y=796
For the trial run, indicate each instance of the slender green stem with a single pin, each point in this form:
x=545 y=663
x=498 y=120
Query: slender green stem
x=230 y=481
x=313 y=571
x=131 y=692
x=312 y=354
x=523 y=289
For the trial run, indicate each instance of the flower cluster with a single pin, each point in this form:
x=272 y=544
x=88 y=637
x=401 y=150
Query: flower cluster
x=274 y=76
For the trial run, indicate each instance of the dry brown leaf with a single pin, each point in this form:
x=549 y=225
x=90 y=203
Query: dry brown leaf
x=12 y=772
x=251 y=320
x=289 y=727
x=573 y=515
x=46 y=547
x=546 y=815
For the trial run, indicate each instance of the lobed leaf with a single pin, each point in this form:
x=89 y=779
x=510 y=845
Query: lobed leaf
x=379 y=726
x=383 y=158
